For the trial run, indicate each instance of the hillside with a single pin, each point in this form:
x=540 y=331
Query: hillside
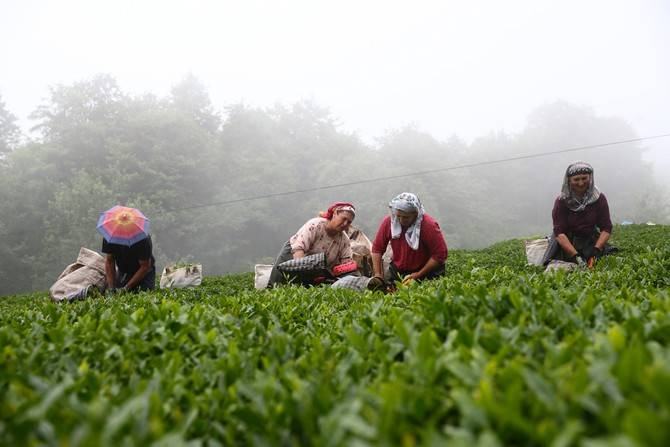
x=496 y=353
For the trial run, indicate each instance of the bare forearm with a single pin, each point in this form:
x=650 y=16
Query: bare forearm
x=602 y=240
x=428 y=267
x=110 y=273
x=377 y=267
x=137 y=277
x=566 y=245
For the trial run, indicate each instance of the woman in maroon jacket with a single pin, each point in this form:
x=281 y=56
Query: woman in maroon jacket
x=581 y=217
x=419 y=249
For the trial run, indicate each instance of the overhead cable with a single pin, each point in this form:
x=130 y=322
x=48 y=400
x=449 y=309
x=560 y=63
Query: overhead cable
x=418 y=173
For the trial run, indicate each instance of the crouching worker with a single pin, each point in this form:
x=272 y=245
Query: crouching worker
x=321 y=243
x=581 y=219
x=129 y=262
x=419 y=249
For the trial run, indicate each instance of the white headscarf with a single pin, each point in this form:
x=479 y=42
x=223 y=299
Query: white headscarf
x=408 y=203
x=571 y=200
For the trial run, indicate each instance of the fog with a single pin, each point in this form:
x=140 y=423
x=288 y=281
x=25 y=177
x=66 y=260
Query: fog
x=463 y=68
x=203 y=102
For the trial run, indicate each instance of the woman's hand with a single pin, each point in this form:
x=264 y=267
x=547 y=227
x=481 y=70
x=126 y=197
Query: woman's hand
x=592 y=252
x=602 y=240
x=430 y=265
x=409 y=279
x=579 y=261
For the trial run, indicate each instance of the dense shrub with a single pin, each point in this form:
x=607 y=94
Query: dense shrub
x=495 y=353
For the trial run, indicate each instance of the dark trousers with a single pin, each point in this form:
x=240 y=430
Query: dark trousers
x=277 y=277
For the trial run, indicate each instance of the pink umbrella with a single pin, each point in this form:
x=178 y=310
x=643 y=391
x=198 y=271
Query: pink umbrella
x=123 y=225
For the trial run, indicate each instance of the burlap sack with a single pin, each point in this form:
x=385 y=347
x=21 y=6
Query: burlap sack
x=535 y=250
x=362 y=248
x=262 y=275
x=75 y=281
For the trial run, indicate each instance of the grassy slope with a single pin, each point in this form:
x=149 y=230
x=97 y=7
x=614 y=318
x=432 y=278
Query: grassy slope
x=495 y=353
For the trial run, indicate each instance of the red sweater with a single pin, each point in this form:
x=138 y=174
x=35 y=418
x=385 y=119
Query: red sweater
x=431 y=245
x=583 y=223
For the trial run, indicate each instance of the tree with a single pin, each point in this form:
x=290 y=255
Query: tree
x=190 y=97
x=24 y=195
x=10 y=133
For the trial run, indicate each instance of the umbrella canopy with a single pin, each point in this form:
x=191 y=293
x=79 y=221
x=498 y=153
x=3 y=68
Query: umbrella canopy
x=123 y=225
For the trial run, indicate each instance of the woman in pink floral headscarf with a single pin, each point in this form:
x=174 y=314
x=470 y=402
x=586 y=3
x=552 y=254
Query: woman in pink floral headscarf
x=324 y=234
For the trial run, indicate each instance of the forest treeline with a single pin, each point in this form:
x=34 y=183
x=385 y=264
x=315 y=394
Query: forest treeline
x=94 y=146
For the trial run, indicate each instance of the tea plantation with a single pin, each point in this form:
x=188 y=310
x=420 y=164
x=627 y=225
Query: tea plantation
x=496 y=353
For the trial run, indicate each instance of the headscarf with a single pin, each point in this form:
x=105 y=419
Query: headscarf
x=336 y=207
x=408 y=203
x=571 y=200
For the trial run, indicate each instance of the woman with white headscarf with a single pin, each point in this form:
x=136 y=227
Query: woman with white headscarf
x=581 y=217
x=419 y=249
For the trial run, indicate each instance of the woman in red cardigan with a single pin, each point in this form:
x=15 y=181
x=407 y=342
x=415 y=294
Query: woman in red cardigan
x=419 y=249
x=581 y=218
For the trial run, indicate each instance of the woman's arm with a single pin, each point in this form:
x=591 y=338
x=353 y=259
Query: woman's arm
x=428 y=267
x=566 y=245
x=379 y=245
x=145 y=266
x=344 y=251
x=434 y=240
x=559 y=218
x=604 y=223
x=377 y=268
x=602 y=240
x=303 y=239
x=110 y=271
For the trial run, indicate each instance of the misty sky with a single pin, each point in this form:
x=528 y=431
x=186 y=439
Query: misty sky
x=447 y=67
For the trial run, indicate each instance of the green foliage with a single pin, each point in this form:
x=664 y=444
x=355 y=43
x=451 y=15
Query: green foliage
x=496 y=353
x=9 y=131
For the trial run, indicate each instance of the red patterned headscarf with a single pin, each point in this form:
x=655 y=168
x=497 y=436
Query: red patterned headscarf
x=336 y=208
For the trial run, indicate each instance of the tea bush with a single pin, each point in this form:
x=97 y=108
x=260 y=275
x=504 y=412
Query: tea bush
x=496 y=353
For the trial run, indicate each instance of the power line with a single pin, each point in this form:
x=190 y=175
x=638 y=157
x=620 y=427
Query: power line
x=413 y=174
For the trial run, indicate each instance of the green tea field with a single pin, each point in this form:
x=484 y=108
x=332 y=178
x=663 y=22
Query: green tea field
x=496 y=353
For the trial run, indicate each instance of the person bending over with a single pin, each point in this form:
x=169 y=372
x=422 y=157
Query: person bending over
x=419 y=249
